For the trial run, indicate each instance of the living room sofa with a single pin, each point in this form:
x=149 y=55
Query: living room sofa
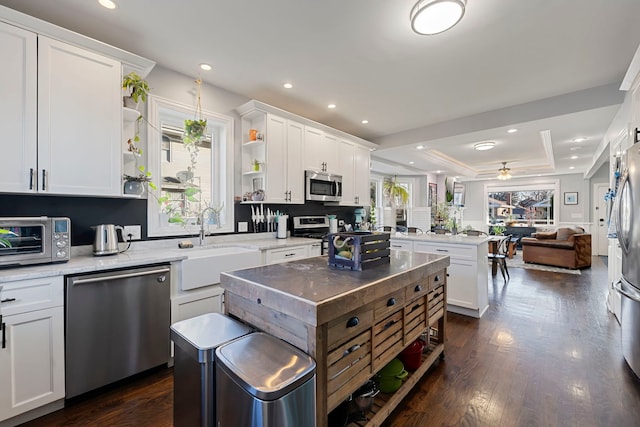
x=565 y=247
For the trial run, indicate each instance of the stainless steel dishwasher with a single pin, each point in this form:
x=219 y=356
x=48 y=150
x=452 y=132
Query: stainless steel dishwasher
x=116 y=325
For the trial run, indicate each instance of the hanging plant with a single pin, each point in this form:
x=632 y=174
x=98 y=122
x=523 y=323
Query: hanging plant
x=195 y=130
x=396 y=193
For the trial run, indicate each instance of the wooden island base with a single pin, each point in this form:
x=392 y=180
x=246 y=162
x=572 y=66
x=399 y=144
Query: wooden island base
x=351 y=322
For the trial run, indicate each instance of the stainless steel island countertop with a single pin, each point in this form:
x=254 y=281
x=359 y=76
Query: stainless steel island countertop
x=313 y=291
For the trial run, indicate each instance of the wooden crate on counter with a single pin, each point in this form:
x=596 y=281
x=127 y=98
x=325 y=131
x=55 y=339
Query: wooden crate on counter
x=359 y=250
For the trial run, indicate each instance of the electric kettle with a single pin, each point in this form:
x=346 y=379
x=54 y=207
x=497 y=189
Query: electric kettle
x=106 y=239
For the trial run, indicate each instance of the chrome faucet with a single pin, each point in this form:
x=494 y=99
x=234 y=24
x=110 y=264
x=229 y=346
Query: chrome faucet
x=201 y=218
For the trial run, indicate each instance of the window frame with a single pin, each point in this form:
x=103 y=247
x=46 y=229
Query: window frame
x=223 y=158
x=553 y=185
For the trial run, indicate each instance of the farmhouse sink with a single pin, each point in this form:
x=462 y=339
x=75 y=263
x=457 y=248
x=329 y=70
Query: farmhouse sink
x=204 y=265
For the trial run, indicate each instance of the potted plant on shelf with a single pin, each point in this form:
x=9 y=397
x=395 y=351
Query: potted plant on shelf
x=256 y=165
x=138 y=89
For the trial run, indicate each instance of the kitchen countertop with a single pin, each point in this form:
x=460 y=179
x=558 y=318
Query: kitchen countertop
x=145 y=253
x=458 y=239
x=311 y=290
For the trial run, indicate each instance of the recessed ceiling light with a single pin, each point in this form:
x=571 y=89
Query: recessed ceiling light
x=574 y=157
x=438 y=171
x=572 y=167
x=579 y=139
x=512 y=130
x=419 y=147
x=411 y=163
x=205 y=67
x=575 y=148
x=331 y=106
x=107 y=3
x=287 y=85
x=364 y=122
x=482 y=146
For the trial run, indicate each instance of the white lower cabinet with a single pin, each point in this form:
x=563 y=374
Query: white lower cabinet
x=197 y=302
x=467 y=291
x=32 y=347
x=401 y=245
x=291 y=253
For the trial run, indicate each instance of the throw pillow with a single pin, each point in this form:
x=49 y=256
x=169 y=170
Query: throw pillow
x=544 y=235
x=565 y=232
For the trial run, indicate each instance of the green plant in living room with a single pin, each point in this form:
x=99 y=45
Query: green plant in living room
x=498 y=230
x=137 y=86
x=395 y=192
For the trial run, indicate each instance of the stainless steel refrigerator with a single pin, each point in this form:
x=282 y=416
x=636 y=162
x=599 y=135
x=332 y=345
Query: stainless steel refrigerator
x=628 y=231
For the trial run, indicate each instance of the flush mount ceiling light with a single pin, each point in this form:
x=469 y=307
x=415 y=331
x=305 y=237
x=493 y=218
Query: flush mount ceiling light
x=107 y=3
x=205 y=67
x=504 y=172
x=365 y=121
x=430 y=17
x=331 y=106
x=482 y=146
x=287 y=85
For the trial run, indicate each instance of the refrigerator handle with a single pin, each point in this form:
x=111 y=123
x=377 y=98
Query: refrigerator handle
x=618 y=287
x=623 y=183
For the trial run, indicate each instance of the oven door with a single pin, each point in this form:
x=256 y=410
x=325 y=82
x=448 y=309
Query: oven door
x=24 y=241
x=323 y=187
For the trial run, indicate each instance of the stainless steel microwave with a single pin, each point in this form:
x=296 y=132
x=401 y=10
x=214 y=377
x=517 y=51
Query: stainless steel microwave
x=34 y=240
x=323 y=187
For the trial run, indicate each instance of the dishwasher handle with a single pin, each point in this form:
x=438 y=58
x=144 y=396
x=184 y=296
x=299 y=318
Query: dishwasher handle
x=81 y=281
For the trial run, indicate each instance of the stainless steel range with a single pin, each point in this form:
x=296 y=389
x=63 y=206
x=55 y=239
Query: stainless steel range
x=312 y=227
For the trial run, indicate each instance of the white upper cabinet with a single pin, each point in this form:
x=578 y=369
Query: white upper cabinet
x=362 y=160
x=79 y=121
x=18 y=105
x=60 y=109
x=354 y=168
x=273 y=162
x=320 y=151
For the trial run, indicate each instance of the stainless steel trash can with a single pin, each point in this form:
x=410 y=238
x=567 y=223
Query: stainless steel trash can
x=264 y=382
x=194 y=382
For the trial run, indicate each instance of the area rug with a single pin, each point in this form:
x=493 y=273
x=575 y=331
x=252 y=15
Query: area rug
x=517 y=262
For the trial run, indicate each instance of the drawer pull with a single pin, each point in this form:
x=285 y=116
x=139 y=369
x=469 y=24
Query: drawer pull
x=436 y=279
x=286 y=255
x=350 y=350
x=389 y=324
x=8 y=300
x=436 y=295
x=415 y=307
x=353 y=322
x=3 y=326
x=418 y=288
x=442 y=250
x=391 y=302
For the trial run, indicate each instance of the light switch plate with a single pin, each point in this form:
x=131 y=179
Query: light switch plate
x=134 y=230
x=243 y=227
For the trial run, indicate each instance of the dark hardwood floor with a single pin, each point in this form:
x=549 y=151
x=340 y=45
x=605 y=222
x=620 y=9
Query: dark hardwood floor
x=546 y=353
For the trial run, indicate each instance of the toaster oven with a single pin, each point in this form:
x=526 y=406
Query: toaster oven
x=34 y=240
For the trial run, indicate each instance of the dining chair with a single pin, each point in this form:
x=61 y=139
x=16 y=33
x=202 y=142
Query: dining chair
x=499 y=258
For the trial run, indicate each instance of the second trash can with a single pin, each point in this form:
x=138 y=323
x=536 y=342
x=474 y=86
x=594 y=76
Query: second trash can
x=264 y=382
x=194 y=381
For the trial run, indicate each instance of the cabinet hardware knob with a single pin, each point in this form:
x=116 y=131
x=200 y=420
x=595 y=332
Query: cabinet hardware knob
x=418 y=288
x=353 y=322
x=391 y=302
x=436 y=279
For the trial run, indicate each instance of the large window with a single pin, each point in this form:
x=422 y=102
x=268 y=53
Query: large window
x=522 y=205
x=189 y=178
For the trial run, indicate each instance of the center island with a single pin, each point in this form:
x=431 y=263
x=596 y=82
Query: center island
x=351 y=322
